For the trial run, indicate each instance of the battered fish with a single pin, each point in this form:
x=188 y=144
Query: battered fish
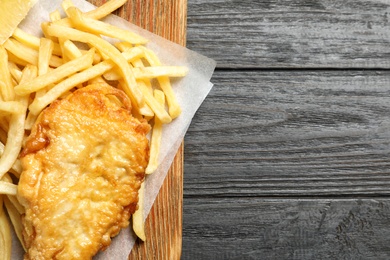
x=83 y=165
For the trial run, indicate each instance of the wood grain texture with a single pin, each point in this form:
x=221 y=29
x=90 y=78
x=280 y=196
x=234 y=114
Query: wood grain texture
x=291 y=33
x=163 y=226
x=291 y=133
x=304 y=229
x=288 y=157
x=167 y=18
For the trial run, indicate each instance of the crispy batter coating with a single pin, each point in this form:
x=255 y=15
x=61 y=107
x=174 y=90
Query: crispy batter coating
x=83 y=165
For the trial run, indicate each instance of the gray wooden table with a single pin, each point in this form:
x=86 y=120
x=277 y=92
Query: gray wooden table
x=289 y=156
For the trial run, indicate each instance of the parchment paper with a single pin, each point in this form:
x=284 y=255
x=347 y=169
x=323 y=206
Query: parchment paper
x=190 y=92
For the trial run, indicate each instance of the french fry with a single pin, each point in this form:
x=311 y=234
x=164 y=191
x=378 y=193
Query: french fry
x=15 y=218
x=14 y=59
x=5 y=234
x=164 y=82
x=7 y=91
x=23 y=52
x=165 y=85
x=105 y=9
x=15 y=71
x=144 y=81
x=30 y=120
x=97 y=27
x=29 y=73
x=138 y=215
x=70 y=50
x=157 y=108
x=56 y=75
x=97 y=13
x=27 y=39
x=14 y=139
x=32 y=41
x=16 y=168
x=160 y=71
x=46 y=47
x=156 y=137
x=152 y=72
x=105 y=48
x=11 y=198
x=66 y=4
x=45 y=52
x=16 y=129
x=41 y=102
x=132 y=54
x=136 y=63
x=145 y=110
x=12 y=107
x=123 y=46
x=28 y=55
x=7 y=188
x=7 y=178
x=16 y=204
x=44 y=27
x=55 y=16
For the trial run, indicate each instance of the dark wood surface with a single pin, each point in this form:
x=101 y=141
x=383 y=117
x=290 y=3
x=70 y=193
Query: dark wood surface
x=289 y=155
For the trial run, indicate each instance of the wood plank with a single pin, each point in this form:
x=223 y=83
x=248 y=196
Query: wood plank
x=167 y=18
x=291 y=33
x=163 y=226
x=290 y=164
x=239 y=228
x=291 y=133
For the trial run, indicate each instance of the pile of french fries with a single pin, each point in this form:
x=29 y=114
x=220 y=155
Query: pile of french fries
x=75 y=51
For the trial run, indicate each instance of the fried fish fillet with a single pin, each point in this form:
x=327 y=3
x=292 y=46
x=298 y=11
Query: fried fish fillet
x=83 y=164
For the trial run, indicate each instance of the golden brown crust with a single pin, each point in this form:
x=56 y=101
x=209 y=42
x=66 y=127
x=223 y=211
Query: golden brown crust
x=83 y=165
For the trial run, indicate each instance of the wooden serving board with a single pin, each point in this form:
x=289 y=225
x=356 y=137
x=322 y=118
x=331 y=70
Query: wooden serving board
x=167 y=18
